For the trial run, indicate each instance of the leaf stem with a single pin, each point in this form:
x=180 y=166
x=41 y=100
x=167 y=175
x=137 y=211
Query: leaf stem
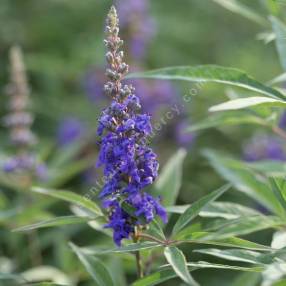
x=139 y=265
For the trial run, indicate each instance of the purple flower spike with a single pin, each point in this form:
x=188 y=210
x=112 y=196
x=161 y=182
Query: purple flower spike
x=128 y=163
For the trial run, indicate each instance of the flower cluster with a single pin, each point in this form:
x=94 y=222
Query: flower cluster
x=19 y=120
x=129 y=164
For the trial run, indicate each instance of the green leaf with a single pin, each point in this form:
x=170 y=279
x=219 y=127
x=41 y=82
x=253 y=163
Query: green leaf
x=200 y=238
x=240 y=255
x=71 y=198
x=243 y=10
x=48 y=273
x=94 y=267
x=166 y=273
x=57 y=221
x=280 y=31
x=246 y=279
x=243 y=226
x=178 y=262
x=170 y=179
x=123 y=249
x=156 y=230
x=225 y=119
x=247 y=102
x=244 y=179
x=210 y=73
x=226 y=210
x=196 y=207
x=278 y=193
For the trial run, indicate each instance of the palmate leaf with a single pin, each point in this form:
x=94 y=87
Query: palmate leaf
x=170 y=179
x=211 y=73
x=178 y=262
x=191 y=212
x=241 y=103
x=94 y=267
x=71 y=198
x=57 y=221
x=239 y=174
x=166 y=273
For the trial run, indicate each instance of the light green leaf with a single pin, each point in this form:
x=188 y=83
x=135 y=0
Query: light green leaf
x=241 y=9
x=94 y=267
x=211 y=73
x=278 y=193
x=123 y=249
x=240 y=255
x=247 y=102
x=244 y=179
x=200 y=238
x=243 y=226
x=225 y=119
x=49 y=273
x=226 y=210
x=169 y=181
x=178 y=262
x=166 y=273
x=71 y=198
x=57 y=221
x=280 y=31
x=246 y=279
x=196 y=207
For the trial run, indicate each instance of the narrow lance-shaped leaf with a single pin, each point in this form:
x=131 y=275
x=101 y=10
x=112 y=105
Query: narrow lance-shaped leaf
x=243 y=179
x=241 y=103
x=225 y=119
x=94 y=267
x=280 y=31
x=71 y=198
x=196 y=207
x=278 y=194
x=169 y=181
x=166 y=273
x=243 y=10
x=57 y=221
x=211 y=73
x=178 y=262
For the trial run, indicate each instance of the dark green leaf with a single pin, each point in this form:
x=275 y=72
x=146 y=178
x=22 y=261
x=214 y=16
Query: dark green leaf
x=178 y=262
x=169 y=181
x=57 y=221
x=94 y=267
x=196 y=207
x=71 y=198
x=211 y=73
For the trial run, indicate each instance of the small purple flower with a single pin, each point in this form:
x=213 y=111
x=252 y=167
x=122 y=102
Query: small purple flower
x=70 y=130
x=129 y=164
x=263 y=147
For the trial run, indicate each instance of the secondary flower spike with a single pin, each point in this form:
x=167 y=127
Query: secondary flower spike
x=20 y=119
x=129 y=164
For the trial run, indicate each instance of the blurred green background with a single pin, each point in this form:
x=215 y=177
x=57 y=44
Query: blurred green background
x=62 y=41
